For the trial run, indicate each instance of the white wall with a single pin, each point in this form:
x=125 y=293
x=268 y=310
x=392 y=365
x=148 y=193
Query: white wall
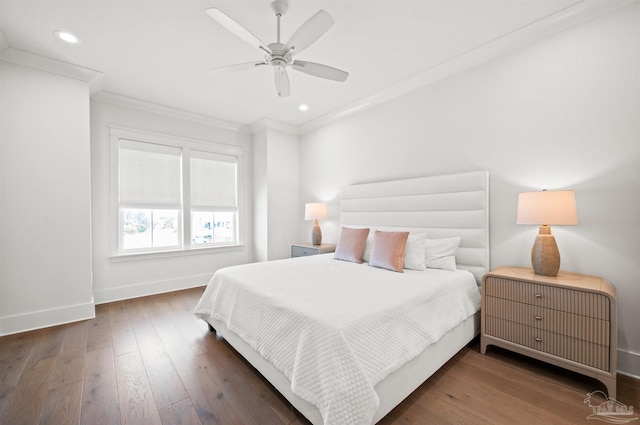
x=115 y=279
x=285 y=213
x=260 y=196
x=561 y=113
x=278 y=213
x=45 y=240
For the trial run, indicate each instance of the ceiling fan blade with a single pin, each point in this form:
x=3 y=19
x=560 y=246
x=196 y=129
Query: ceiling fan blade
x=309 y=32
x=319 y=70
x=236 y=67
x=282 y=82
x=237 y=29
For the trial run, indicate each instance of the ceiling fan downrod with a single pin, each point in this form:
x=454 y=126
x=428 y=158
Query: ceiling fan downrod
x=279 y=7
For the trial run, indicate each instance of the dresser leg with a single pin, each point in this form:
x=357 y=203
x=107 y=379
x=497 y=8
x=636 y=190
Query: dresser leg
x=610 y=383
x=483 y=346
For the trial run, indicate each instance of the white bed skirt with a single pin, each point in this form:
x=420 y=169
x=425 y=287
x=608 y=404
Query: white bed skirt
x=392 y=390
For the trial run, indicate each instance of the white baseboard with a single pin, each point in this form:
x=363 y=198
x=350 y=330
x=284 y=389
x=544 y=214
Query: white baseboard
x=149 y=288
x=46 y=318
x=629 y=363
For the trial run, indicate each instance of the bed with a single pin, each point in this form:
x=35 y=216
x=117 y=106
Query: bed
x=338 y=339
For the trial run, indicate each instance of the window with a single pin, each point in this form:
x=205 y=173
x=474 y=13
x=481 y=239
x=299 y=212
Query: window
x=213 y=198
x=173 y=194
x=150 y=194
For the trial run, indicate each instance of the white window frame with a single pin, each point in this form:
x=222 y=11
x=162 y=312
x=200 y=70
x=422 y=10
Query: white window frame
x=184 y=232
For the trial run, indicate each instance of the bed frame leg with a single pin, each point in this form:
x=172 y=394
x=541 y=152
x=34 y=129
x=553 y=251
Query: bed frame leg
x=212 y=330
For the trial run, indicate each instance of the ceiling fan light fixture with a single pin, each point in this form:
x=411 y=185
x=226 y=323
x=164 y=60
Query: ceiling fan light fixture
x=67 y=37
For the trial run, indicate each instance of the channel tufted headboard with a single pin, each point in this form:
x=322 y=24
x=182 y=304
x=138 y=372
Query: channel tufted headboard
x=442 y=206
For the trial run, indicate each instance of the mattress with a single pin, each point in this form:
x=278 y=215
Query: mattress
x=335 y=328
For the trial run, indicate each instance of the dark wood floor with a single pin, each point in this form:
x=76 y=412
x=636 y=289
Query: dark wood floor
x=150 y=361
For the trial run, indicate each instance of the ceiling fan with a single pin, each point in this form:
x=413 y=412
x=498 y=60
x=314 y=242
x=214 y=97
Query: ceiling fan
x=278 y=55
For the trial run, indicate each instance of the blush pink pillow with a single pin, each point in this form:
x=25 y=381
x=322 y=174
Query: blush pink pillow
x=388 y=250
x=351 y=244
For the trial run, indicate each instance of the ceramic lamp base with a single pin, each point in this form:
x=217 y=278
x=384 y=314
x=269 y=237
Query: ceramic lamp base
x=545 y=257
x=316 y=235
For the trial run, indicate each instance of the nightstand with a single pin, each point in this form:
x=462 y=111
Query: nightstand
x=307 y=248
x=568 y=320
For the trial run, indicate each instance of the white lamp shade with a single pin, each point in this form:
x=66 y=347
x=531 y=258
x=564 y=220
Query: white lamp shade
x=315 y=211
x=550 y=207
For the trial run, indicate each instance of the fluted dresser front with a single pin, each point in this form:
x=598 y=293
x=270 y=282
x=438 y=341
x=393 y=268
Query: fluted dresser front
x=568 y=320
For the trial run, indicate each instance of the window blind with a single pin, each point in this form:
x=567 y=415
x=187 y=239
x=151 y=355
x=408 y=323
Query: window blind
x=213 y=181
x=149 y=174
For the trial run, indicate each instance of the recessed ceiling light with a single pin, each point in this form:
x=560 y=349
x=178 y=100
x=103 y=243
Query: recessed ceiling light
x=303 y=107
x=67 y=36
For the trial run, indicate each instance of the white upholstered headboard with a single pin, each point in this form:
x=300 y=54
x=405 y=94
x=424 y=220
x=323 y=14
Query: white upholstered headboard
x=442 y=206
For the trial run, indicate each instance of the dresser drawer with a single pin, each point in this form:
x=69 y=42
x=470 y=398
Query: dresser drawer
x=580 y=351
x=573 y=325
x=301 y=251
x=572 y=301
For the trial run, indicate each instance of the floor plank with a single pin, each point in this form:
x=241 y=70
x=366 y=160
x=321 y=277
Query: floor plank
x=63 y=399
x=62 y=405
x=208 y=398
x=181 y=413
x=99 y=335
x=238 y=391
x=165 y=383
x=100 y=394
x=27 y=399
x=122 y=336
x=137 y=406
x=272 y=398
x=629 y=390
x=508 y=383
x=15 y=352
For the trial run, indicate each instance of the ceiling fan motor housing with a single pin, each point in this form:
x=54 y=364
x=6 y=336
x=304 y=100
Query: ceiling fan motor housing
x=278 y=55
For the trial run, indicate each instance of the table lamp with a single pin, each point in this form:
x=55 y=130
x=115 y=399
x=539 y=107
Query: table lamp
x=546 y=208
x=315 y=211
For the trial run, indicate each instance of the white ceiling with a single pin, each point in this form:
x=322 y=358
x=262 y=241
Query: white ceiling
x=161 y=51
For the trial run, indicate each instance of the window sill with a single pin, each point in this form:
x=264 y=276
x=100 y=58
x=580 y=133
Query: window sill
x=139 y=256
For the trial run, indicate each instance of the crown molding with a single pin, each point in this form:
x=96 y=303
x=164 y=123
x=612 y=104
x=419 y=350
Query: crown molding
x=42 y=63
x=269 y=124
x=142 y=105
x=577 y=13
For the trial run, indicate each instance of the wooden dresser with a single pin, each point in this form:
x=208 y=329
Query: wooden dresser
x=568 y=320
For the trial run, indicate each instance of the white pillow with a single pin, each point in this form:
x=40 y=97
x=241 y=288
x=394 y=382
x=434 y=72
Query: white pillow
x=414 y=256
x=448 y=262
x=366 y=255
x=440 y=253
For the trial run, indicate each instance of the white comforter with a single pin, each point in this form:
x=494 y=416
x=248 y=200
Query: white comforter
x=335 y=328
